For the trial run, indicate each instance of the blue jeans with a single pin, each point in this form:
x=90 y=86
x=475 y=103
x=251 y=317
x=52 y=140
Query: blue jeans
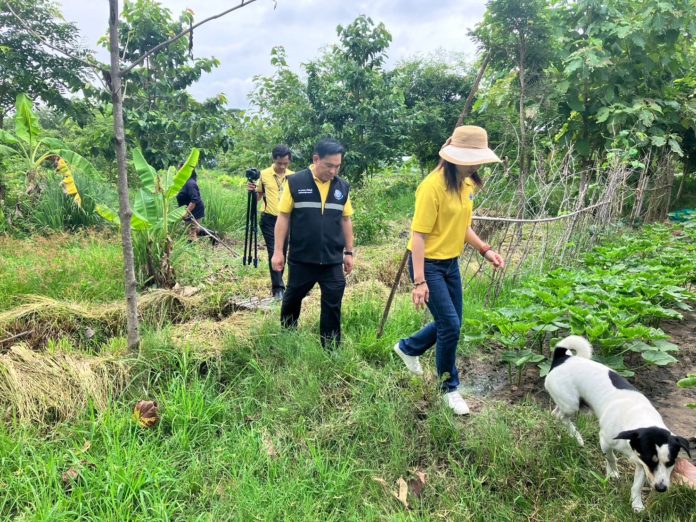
x=445 y=304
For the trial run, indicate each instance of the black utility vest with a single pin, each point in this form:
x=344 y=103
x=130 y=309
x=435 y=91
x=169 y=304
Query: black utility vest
x=315 y=237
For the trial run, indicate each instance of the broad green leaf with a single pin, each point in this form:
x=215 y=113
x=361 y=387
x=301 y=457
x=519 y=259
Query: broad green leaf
x=53 y=143
x=7 y=151
x=26 y=122
x=165 y=180
x=146 y=206
x=138 y=222
x=108 y=214
x=603 y=114
x=688 y=382
x=546 y=328
x=640 y=347
x=78 y=163
x=658 y=141
x=665 y=346
x=658 y=358
x=145 y=172
x=7 y=137
x=544 y=368
x=676 y=148
x=176 y=215
x=184 y=174
x=576 y=104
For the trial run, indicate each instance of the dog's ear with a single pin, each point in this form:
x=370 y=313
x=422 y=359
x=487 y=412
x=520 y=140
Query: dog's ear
x=684 y=444
x=629 y=435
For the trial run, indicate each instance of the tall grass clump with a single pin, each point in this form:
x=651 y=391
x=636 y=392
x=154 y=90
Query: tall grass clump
x=225 y=208
x=85 y=267
x=54 y=211
x=383 y=204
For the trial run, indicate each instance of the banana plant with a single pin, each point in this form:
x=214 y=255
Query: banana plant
x=27 y=145
x=155 y=219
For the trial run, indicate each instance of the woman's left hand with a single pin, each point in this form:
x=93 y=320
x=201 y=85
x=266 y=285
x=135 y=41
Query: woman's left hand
x=494 y=258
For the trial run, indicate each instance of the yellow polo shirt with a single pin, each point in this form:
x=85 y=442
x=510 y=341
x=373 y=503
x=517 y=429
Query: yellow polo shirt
x=443 y=216
x=272 y=186
x=287 y=203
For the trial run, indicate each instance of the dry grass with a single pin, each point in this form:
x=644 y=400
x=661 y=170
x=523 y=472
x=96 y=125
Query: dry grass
x=45 y=318
x=40 y=387
x=205 y=338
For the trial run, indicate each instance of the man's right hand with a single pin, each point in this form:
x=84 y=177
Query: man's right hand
x=251 y=187
x=277 y=261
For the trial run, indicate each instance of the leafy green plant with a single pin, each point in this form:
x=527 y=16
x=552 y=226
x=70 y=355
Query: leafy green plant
x=155 y=219
x=27 y=148
x=616 y=298
x=520 y=359
x=688 y=382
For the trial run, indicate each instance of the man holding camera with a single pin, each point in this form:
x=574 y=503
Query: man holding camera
x=316 y=211
x=270 y=187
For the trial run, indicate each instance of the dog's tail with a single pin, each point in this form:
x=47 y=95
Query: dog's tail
x=580 y=346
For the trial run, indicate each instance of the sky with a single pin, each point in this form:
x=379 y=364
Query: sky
x=242 y=40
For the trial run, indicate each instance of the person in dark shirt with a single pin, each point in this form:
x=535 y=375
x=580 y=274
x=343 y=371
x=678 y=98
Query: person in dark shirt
x=190 y=197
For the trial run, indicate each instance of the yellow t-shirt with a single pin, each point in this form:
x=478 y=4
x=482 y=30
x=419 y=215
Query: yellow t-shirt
x=443 y=216
x=287 y=203
x=272 y=185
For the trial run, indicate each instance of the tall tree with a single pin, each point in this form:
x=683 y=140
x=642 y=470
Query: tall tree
x=620 y=77
x=352 y=99
x=160 y=116
x=434 y=93
x=516 y=33
x=27 y=66
x=282 y=103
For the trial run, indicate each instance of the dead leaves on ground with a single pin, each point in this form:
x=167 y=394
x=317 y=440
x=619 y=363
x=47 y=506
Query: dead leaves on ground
x=414 y=486
x=146 y=413
x=268 y=446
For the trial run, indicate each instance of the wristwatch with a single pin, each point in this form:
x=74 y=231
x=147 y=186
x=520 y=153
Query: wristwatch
x=347 y=253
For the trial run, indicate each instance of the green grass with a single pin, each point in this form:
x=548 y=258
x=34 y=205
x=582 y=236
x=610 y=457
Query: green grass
x=63 y=266
x=271 y=427
x=334 y=423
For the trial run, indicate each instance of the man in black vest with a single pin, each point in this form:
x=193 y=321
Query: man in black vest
x=316 y=210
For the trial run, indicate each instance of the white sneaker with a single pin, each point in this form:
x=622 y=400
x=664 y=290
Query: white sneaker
x=455 y=401
x=412 y=362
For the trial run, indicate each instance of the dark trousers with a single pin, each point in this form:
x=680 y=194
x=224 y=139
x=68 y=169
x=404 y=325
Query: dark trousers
x=267 y=229
x=301 y=278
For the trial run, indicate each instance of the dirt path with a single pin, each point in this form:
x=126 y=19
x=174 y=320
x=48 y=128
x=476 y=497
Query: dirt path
x=658 y=383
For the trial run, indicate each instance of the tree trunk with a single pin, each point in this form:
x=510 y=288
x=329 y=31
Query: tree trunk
x=124 y=209
x=523 y=135
x=470 y=99
x=682 y=182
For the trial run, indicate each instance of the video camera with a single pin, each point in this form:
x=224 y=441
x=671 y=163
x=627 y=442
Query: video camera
x=252 y=175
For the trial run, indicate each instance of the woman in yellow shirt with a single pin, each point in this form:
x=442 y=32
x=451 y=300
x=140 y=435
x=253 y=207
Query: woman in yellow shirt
x=440 y=228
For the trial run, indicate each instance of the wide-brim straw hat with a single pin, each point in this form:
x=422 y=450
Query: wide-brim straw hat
x=468 y=145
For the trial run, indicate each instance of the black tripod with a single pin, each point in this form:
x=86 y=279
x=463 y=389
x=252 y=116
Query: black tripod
x=251 y=230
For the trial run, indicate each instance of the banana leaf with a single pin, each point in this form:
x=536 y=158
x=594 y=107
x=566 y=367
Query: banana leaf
x=184 y=174
x=26 y=122
x=146 y=173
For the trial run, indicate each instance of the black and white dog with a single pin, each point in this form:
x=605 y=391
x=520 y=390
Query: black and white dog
x=628 y=423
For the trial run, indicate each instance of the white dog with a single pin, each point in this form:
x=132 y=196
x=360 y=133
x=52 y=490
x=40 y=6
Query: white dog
x=628 y=423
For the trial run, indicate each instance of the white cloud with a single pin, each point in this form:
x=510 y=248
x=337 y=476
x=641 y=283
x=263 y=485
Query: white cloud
x=242 y=40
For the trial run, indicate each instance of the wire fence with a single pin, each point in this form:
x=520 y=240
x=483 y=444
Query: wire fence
x=564 y=215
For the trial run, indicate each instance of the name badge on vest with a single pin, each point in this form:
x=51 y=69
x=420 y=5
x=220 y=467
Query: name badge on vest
x=338 y=194
x=305 y=191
